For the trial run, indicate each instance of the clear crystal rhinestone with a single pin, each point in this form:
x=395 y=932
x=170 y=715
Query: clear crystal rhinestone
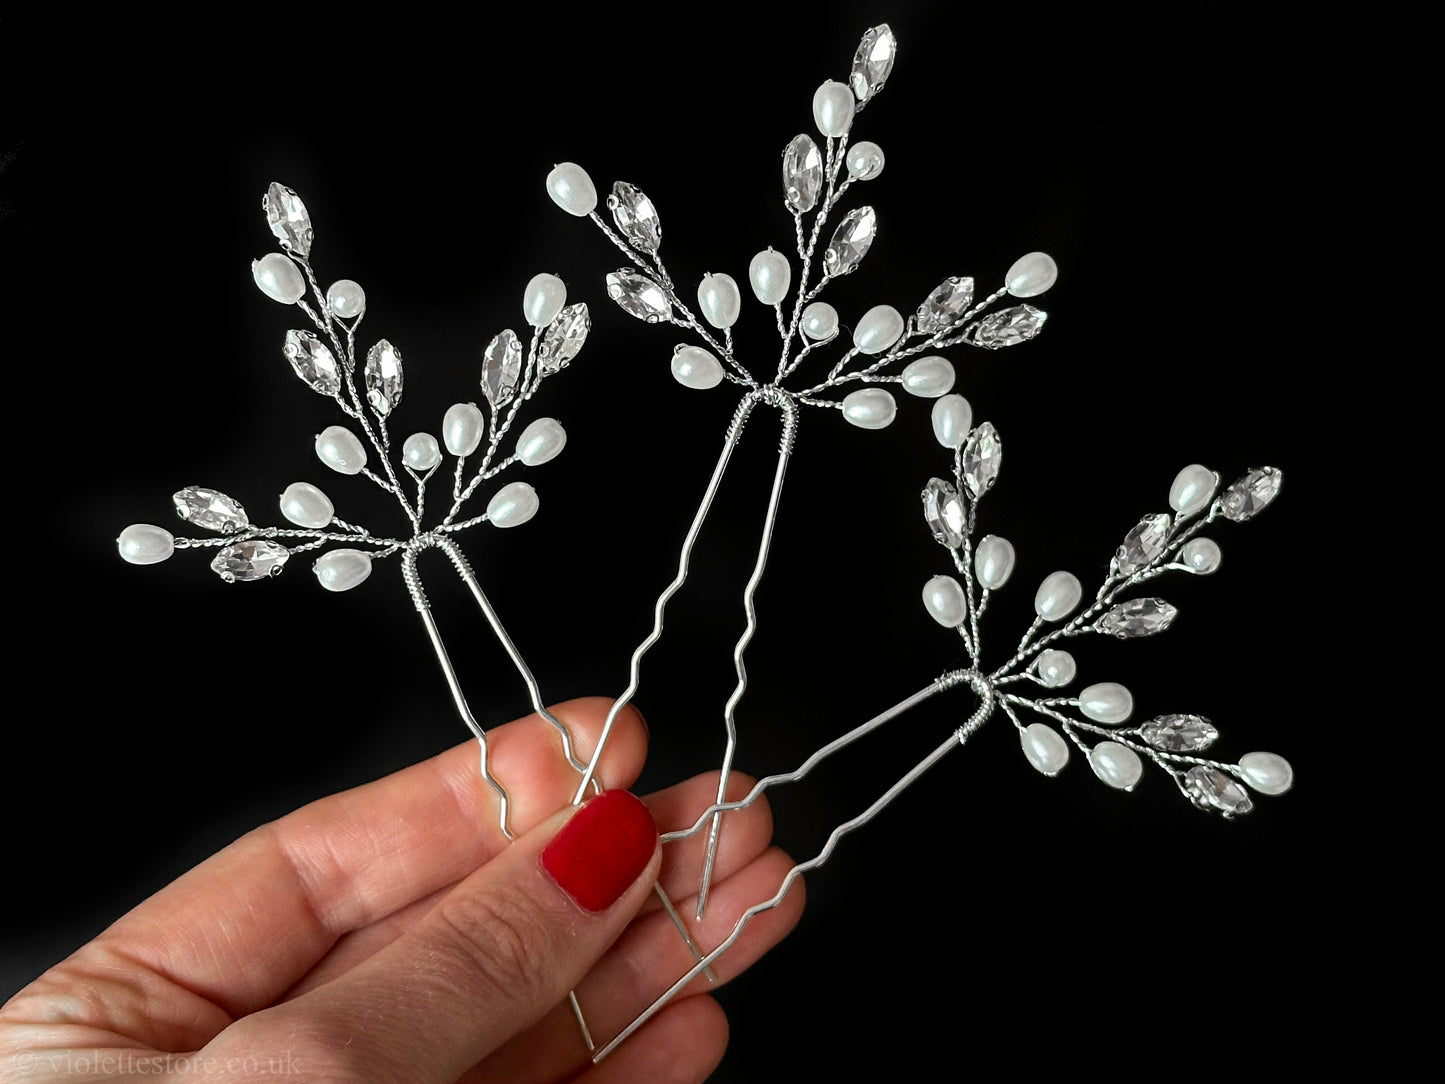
x=1179 y=733
x=383 y=377
x=802 y=173
x=1142 y=545
x=873 y=62
x=252 y=560
x=851 y=241
x=563 y=339
x=501 y=369
x=210 y=509
x=944 y=513
x=637 y=295
x=1211 y=788
x=1249 y=496
x=313 y=361
x=287 y=217
x=982 y=457
x=635 y=216
x=1009 y=327
x=942 y=308
x=1137 y=618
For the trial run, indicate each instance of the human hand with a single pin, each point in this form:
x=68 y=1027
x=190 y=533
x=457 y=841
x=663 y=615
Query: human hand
x=391 y=933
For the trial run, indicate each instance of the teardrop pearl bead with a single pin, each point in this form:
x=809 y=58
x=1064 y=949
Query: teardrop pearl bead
x=993 y=561
x=346 y=298
x=833 y=105
x=1116 y=764
x=339 y=449
x=306 y=506
x=512 y=505
x=1031 y=275
x=541 y=442
x=1193 y=489
x=928 y=377
x=820 y=321
x=694 y=367
x=943 y=599
x=145 y=544
x=871 y=408
x=720 y=301
x=770 y=274
x=1057 y=596
x=1202 y=555
x=543 y=299
x=278 y=278
x=571 y=189
x=952 y=419
x=1268 y=773
x=1056 y=668
x=462 y=428
x=1045 y=748
x=420 y=451
x=1108 y=702
x=865 y=161
x=880 y=328
x=341 y=570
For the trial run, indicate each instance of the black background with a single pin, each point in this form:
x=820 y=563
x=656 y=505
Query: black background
x=1175 y=166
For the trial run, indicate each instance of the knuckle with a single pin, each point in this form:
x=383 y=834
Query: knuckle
x=500 y=939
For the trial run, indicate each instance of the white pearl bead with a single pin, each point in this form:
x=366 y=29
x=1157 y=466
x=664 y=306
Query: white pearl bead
x=880 y=328
x=694 y=367
x=1058 y=595
x=1268 y=773
x=543 y=299
x=944 y=601
x=865 y=161
x=820 y=320
x=952 y=419
x=512 y=505
x=338 y=448
x=1116 y=764
x=346 y=298
x=341 y=570
x=1031 y=275
x=144 y=544
x=993 y=561
x=833 y=105
x=541 y=442
x=928 y=377
x=1202 y=555
x=306 y=506
x=462 y=428
x=421 y=452
x=1056 y=668
x=1192 y=489
x=278 y=278
x=720 y=300
x=871 y=408
x=770 y=274
x=1107 y=702
x=571 y=189
x=1045 y=748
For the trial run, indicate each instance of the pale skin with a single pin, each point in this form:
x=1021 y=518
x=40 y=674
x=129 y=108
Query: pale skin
x=391 y=933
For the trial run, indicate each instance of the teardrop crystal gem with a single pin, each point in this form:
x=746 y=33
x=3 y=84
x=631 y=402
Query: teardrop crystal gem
x=637 y=295
x=255 y=559
x=501 y=369
x=982 y=457
x=313 y=362
x=564 y=338
x=635 y=216
x=287 y=217
x=851 y=241
x=873 y=62
x=1137 y=618
x=945 y=306
x=944 y=513
x=1179 y=733
x=802 y=173
x=383 y=378
x=1252 y=494
x=1143 y=545
x=1009 y=327
x=1211 y=789
x=210 y=510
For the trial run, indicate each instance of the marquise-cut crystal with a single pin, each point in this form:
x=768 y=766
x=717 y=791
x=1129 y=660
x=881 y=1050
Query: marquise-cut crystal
x=943 y=308
x=982 y=457
x=210 y=509
x=1179 y=733
x=501 y=369
x=851 y=241
x=1009 y=327
x=1250 y=495
x=251 y=560
x=1211 y=788
x=313 y=361
x=1142 y=545
x=383 y=378
x=287 y=217
x=637 y=295
x=563 y=339
x=944 y=513
x=873 y=62
x=802 y=173
x=1137 y=618
x=635 y=216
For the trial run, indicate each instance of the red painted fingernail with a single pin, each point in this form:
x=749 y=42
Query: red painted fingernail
x=602 y=849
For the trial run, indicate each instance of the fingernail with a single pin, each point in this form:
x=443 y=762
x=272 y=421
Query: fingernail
x=601 y=850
